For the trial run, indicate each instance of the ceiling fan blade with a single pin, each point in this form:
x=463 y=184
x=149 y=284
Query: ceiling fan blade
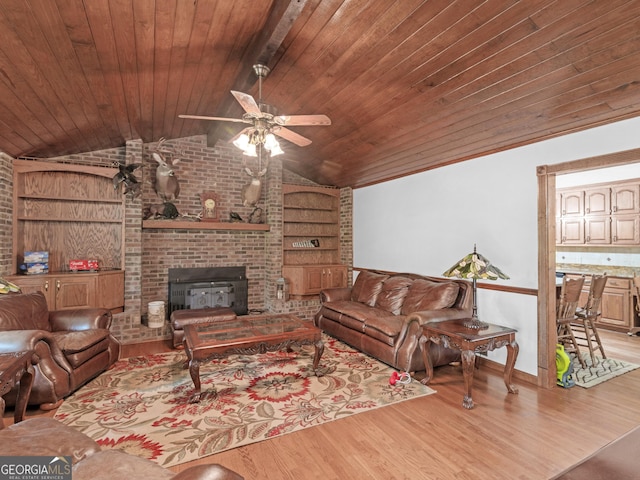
x=248 y=103
x=302 y=120
x=292 y=136
x=204 y=117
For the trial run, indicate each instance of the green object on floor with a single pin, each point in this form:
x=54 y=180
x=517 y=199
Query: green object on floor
x=564 y=368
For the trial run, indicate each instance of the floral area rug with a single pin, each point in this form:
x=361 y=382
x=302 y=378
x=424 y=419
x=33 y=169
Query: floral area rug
x=141 y=404
x=604 y=369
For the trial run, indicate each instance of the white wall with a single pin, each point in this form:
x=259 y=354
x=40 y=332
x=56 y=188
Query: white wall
x=426 y=222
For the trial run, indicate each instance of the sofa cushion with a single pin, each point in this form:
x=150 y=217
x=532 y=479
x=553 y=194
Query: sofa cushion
x=80 y=346
x=367 y=287
x=394 y=290
x=428 y=295
x=27 y=311
x=385 y=329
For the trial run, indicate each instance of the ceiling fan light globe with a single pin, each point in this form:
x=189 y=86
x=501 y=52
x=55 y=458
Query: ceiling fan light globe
x=250 y=150
x=270 y=141
x=242 y=141
x=276 y=151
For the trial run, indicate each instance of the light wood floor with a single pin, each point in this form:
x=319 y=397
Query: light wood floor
x=532 y=435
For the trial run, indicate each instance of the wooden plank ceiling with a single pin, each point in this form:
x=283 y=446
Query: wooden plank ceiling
x=408 y=84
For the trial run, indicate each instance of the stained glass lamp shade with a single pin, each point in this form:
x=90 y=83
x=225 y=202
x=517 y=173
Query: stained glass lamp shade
x=473 y=267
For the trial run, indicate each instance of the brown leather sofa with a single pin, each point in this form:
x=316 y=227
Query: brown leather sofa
x=72 y=346
x=47 y=437
x=382 y=315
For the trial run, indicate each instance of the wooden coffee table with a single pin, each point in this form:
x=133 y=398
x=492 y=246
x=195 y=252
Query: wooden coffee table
x=16 y=368
x=246 y=335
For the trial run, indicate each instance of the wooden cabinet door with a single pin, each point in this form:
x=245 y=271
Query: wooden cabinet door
x=573 y=230
x=313 y=280
x=597 y=230
x=335 y=276
x=597 y=201
x=615 y=305
x=625 y=198
x=572 y=203
x=75 y=292
x=625 y=229
x=36 y=283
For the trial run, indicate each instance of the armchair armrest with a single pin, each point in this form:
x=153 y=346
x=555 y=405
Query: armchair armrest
x=79 y=319
x=41 y=341
x=335 y=294
x=20 y=340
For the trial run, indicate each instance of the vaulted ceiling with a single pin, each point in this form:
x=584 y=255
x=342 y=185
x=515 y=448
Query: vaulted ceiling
x=408 y=84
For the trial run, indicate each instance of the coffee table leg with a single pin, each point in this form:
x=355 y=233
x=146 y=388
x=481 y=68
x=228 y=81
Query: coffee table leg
x=468 y=365
x=194 y=371
x=512 y=355
x=26 y=381
x=319 y=349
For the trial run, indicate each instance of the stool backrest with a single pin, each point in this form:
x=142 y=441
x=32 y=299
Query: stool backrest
x=569 y=297
x=592 y=307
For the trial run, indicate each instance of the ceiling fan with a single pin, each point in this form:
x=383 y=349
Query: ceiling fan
x=264 y=120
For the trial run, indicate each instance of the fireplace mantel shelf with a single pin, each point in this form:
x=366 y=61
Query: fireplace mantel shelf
x=187 y=225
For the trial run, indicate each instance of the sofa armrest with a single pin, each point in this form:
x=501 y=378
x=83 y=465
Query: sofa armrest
x=207 y=472
x=79 y=319
x=335 y=294
x=428 y=316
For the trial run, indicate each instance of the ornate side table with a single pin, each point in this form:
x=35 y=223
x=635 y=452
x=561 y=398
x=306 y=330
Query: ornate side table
x=16 y=368
x=453 y=334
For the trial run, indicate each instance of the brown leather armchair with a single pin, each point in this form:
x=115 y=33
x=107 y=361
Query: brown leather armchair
x=72 y=346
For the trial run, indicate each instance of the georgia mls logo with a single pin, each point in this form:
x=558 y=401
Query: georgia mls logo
x=35 y=468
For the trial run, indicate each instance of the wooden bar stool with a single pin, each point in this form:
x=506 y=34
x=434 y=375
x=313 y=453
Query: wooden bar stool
x=566 y=314
x=584 y=326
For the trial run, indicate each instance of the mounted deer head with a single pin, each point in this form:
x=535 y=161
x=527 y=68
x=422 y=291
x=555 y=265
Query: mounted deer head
x=166 y=183
x=252 y=191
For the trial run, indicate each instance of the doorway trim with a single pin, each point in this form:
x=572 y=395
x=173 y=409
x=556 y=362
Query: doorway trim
x=547 y=251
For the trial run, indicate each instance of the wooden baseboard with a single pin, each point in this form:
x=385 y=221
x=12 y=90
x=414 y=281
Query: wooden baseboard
x=498 y=367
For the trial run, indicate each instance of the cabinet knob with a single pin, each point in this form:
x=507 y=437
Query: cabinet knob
x=58 y=285
x=46 y=285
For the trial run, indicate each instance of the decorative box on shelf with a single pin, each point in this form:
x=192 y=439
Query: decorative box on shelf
x=83 y=265
x=36 y=262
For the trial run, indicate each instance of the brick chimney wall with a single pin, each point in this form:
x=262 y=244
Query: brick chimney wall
x=150 y=252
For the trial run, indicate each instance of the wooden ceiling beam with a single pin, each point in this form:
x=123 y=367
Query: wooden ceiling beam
x=276 y=27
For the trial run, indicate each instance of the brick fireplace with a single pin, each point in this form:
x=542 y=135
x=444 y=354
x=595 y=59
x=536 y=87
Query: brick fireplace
x=151 y=252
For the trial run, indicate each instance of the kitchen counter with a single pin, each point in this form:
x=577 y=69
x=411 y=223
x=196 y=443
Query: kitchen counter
x=611 y=270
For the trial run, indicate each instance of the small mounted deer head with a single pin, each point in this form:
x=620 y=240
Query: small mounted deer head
x=166 y=183
x=252 y=191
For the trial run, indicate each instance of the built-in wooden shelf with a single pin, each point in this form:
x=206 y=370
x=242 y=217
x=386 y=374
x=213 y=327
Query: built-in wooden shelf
x=187 y=225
